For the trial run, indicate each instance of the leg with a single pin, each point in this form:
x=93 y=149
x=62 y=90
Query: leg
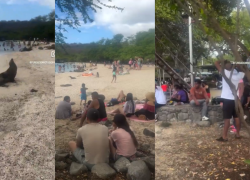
x=116 y=111
x=72 y=146
x=237 y=126
x=192 y=103
x=204 y=108
x=112 y=148
x=226 y=127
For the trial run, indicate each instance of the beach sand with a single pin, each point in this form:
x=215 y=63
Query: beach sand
x=27 y=118
x=138 y=82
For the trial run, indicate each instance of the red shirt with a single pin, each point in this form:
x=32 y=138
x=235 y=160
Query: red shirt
x=164 y=87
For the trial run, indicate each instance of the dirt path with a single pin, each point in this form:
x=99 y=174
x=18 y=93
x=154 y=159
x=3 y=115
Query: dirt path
x=190 y=153
x=27 y=119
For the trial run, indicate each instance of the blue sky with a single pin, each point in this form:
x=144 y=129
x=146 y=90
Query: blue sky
x=24 y=9
x=108 y=22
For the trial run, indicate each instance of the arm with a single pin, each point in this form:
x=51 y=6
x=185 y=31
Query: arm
x=205 y=95
x=218 y=64
x=85 y=113
x=241 y=89
x=192 y=96
x=79 y=142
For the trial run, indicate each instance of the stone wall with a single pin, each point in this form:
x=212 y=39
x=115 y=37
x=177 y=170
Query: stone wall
x=188 y=113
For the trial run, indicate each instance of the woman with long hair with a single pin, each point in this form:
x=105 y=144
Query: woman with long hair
x=123 y=142
x=129 y=107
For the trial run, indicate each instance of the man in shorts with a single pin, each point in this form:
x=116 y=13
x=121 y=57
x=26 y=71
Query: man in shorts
x=228 y=98
x=92 y=143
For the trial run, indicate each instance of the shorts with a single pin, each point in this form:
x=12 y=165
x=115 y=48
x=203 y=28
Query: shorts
x=229 y=109
x=114 y=75
x=83 y=97
x=80 y=156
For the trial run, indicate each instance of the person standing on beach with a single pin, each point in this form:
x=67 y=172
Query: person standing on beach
x=114 y=76
x=83 y=94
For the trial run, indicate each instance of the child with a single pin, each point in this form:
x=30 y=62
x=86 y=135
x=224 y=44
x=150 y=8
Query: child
x=114 y=76
x=83 y=94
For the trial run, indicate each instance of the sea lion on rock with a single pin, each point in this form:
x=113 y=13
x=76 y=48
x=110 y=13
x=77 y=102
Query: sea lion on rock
x=10 y=74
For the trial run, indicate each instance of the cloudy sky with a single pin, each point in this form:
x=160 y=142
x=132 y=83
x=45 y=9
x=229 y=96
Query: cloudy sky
x=24 y=9
x=137 y=16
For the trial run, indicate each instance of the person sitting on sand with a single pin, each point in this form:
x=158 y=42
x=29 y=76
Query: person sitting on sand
x=92 y=144
x=83 y=94
x=97 y=104
x=118 y=100
x=129 y=107
x=148 y=110
x=123 y=142
x=63 y=110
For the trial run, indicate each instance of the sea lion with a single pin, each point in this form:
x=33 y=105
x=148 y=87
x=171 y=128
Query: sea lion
x=10 y=74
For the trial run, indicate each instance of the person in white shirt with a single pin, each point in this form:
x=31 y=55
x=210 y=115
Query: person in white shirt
x=228 y=98
x=159 y=97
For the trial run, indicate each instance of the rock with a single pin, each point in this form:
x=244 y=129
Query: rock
x=182 y=116
x=189 y=121
x=103 y=171
x=184 y=110
x=150 y=162
x=145 y=147
x=170 y=116
x=147 y=132
x=138 y=170
x=196 y=117
x=204 y=123
x=65 y=85
x=108 y=123
x=61 y=156
x=60 y=165
x=173 y=120
x=162 y=117
x=152 y=152
x=41 y=48
x=33 y=90
x=77 y=169
x=121 y=165
x=139 y=154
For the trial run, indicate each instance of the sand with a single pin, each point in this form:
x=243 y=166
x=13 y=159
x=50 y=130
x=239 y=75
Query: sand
x=138 y=82
x=27 y=119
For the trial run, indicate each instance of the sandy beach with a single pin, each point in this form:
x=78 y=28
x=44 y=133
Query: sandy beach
x=27 y=118
x=138 y=82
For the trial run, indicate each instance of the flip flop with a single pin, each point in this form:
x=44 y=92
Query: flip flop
x=221 y=139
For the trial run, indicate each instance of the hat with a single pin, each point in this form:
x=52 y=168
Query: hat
x=150 y=96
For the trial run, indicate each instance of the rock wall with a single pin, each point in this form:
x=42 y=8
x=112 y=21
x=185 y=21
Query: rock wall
x=188 y=113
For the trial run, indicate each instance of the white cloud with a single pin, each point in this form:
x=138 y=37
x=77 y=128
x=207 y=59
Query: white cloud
x=138 y=15
x=48 y=3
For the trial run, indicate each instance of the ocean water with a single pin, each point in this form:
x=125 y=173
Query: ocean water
x=16 y=48
x=67 y=67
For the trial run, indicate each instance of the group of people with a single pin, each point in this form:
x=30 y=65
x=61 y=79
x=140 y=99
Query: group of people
x=199 y=95
x=135 y=63
x=96 y=144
